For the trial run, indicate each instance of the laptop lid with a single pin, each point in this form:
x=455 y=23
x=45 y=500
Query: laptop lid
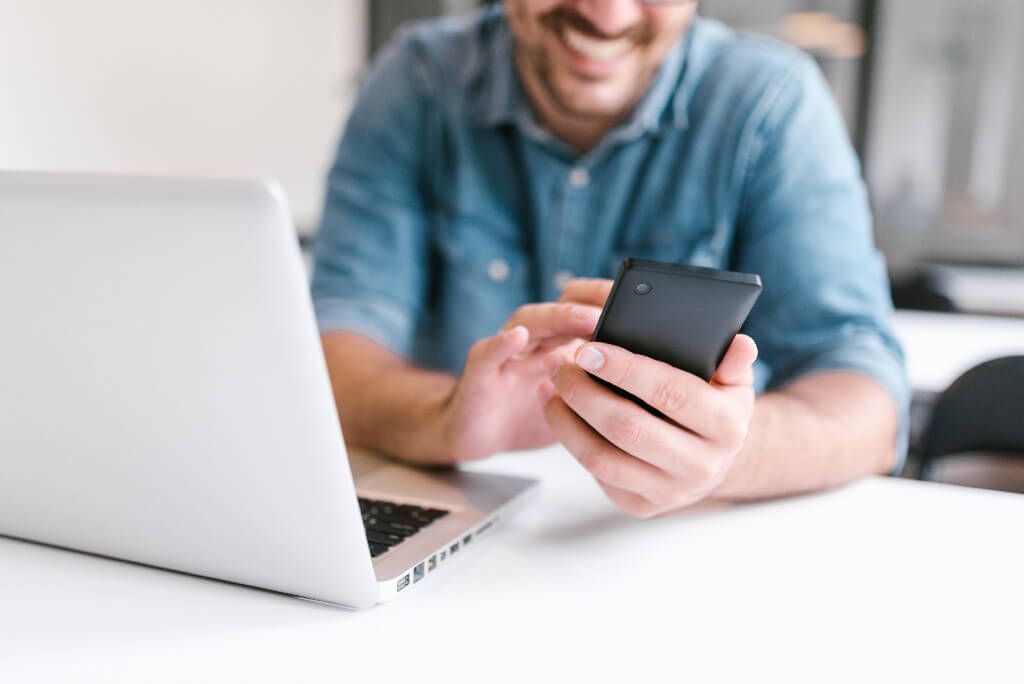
x=163 y=393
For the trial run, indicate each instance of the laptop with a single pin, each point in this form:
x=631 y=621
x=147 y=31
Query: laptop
x=164 y=399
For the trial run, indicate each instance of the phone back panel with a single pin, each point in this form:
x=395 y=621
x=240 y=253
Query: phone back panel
x=685 y=316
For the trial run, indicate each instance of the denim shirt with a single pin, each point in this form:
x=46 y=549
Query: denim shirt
x=449 y=204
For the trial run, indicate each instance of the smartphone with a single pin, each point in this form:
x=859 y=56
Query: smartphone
x=686 y=316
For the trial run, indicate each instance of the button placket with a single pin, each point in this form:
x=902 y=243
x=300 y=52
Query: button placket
x=498 y=270
x=579 y=177
x=572 y=229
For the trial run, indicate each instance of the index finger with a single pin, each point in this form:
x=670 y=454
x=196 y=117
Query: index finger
x=592 y=291
x=555 y=320
x=705 y=409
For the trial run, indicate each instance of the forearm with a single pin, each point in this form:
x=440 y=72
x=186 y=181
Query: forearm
x=818 y=432
x=385 y=403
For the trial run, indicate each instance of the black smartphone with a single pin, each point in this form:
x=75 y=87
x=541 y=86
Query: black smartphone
x=686 y=316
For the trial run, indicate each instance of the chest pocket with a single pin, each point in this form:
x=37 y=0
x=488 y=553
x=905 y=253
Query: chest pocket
x=482 y=271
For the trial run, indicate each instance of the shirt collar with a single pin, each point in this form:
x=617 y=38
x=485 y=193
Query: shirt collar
x=498 y=97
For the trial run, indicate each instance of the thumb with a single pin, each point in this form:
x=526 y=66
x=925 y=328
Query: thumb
x=737 y=366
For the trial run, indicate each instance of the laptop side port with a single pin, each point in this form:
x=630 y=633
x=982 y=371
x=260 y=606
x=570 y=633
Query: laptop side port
x=465 y=540
x=418 y=572
x=403 y=582
x=454 y=548
x=432 y=563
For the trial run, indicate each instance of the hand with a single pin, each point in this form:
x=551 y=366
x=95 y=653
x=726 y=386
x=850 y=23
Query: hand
x=494 y=404
x=649 y=465
x=588 y=291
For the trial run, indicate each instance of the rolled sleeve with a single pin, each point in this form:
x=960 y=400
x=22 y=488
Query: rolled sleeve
x=371 y=253
x=805 y=226
x=378 y=319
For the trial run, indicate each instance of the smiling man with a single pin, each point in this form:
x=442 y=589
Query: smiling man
x=494 y=173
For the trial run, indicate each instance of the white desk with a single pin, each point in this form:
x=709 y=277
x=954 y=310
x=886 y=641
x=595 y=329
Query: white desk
x=939 y=347
x=881 y=580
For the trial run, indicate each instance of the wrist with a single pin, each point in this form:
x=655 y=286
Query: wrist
x=438 y=429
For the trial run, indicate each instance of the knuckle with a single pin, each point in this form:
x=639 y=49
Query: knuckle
x=603 y=468
x=624 y=429
x=587 y=458
x=669 y=397
x=627 y=374
x=700 y=473
x=567 y=385
x=640 y=509
x=665 y=494
x=732 y=429
x=735 y=434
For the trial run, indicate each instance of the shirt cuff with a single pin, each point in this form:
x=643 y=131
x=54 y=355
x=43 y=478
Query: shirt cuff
x=386 y=324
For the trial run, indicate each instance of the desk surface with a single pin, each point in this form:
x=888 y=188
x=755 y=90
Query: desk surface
x=873 y=581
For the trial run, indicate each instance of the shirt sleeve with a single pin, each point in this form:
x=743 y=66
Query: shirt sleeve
x=805 y=226
x=371 y=253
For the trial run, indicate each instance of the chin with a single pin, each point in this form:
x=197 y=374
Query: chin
x=596 y=105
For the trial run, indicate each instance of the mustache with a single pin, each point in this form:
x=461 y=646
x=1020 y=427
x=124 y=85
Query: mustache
x=564 y=16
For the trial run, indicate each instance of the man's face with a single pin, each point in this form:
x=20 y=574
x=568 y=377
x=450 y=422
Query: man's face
x=594 y=58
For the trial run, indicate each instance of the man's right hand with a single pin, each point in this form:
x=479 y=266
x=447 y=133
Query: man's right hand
x=494 y=406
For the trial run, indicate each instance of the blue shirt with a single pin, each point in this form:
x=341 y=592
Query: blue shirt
x=449 y=205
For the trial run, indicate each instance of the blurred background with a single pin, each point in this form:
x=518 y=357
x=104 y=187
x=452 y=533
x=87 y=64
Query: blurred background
x=932 y=92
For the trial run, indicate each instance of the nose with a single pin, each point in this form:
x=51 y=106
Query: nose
x=611 y=17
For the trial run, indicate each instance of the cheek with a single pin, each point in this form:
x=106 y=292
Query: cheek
x=529 y=11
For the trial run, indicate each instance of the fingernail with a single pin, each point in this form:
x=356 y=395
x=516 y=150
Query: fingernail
x=590 y=359
x=512 y=332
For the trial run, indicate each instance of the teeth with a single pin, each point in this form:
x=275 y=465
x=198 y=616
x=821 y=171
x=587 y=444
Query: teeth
x=596 y=48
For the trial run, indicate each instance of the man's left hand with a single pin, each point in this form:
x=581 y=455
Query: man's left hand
x=649 y=465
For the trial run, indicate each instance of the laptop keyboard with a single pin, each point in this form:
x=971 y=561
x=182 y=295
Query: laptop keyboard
x=388 y=524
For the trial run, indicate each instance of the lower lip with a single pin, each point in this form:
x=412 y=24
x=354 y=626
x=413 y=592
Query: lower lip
x=589 y=66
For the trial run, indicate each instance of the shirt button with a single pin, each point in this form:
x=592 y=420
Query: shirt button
x=562 y=279
x=498 y=270
x=579 y=177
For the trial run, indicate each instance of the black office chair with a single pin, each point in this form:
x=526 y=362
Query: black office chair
x=975 y=436
x=922 y=289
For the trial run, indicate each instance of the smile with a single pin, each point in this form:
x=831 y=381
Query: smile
x=598 y=49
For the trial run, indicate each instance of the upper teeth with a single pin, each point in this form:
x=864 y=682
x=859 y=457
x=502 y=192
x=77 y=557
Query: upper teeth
x=597 y=48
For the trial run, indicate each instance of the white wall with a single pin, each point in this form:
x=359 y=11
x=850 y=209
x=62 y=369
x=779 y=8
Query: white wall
x=208 y=87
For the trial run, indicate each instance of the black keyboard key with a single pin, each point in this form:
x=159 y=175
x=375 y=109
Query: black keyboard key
x=384 y=538
x=393 y=526
x=430 y=513
x=388 y=524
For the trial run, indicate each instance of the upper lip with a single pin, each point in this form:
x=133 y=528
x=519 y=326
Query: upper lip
x=561 y=19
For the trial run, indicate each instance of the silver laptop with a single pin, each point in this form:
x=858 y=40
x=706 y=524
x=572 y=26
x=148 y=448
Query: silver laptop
x=164 y=399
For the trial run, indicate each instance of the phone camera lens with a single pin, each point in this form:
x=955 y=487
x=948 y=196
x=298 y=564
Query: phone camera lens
x=642 y=288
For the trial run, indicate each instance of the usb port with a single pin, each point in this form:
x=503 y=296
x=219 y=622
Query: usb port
x=444 y=555
x=432 y=563
x=418 y=572
x=454 y=548
x=403 y=582
x=468 y=538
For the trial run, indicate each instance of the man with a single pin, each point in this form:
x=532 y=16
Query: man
x=491 y=162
